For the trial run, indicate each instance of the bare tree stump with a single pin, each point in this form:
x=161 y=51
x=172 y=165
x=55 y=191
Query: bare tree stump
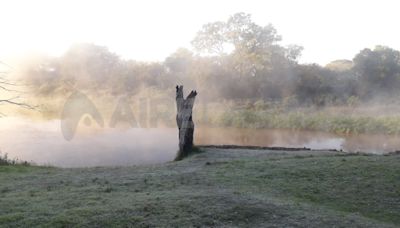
x=185 y=122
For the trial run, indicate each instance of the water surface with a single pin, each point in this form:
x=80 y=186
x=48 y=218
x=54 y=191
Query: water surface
x=43 y=142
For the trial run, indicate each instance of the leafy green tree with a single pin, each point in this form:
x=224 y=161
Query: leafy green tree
x=250 y=56
x=314 y=84
x=378 y=70
x=252 y=48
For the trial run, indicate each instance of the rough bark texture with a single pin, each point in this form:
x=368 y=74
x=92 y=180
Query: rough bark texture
x=184 y=121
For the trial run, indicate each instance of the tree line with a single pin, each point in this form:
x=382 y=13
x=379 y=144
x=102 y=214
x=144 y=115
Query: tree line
x=235 y=59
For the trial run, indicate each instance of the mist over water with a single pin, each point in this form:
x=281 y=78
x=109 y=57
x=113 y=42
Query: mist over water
x=43 y=142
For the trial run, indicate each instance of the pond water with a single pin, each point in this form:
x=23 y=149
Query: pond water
x=43 y=142
x=377 y=144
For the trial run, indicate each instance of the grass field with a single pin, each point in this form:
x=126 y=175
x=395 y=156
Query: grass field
x=218 y=187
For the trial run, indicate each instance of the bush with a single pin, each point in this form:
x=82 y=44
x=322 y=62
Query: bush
x=306 y=119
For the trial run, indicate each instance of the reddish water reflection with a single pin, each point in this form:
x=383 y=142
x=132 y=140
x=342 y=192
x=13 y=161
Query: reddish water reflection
x=298 y=138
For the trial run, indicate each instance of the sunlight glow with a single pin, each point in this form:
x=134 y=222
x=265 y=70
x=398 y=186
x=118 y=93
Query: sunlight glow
x=151 y=30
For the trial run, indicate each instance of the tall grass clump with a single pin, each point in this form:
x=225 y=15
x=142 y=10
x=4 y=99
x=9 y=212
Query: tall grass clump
x=4 y=161
x=309 y=119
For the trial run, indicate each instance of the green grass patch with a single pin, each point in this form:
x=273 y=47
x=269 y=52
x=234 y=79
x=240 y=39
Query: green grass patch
x=215 y=188
x=369 y=185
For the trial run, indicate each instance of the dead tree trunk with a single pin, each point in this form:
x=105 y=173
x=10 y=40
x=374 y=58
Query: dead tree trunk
x=184 y=121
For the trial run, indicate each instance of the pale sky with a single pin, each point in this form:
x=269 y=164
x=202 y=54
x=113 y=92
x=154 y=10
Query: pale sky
x=152 y=30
